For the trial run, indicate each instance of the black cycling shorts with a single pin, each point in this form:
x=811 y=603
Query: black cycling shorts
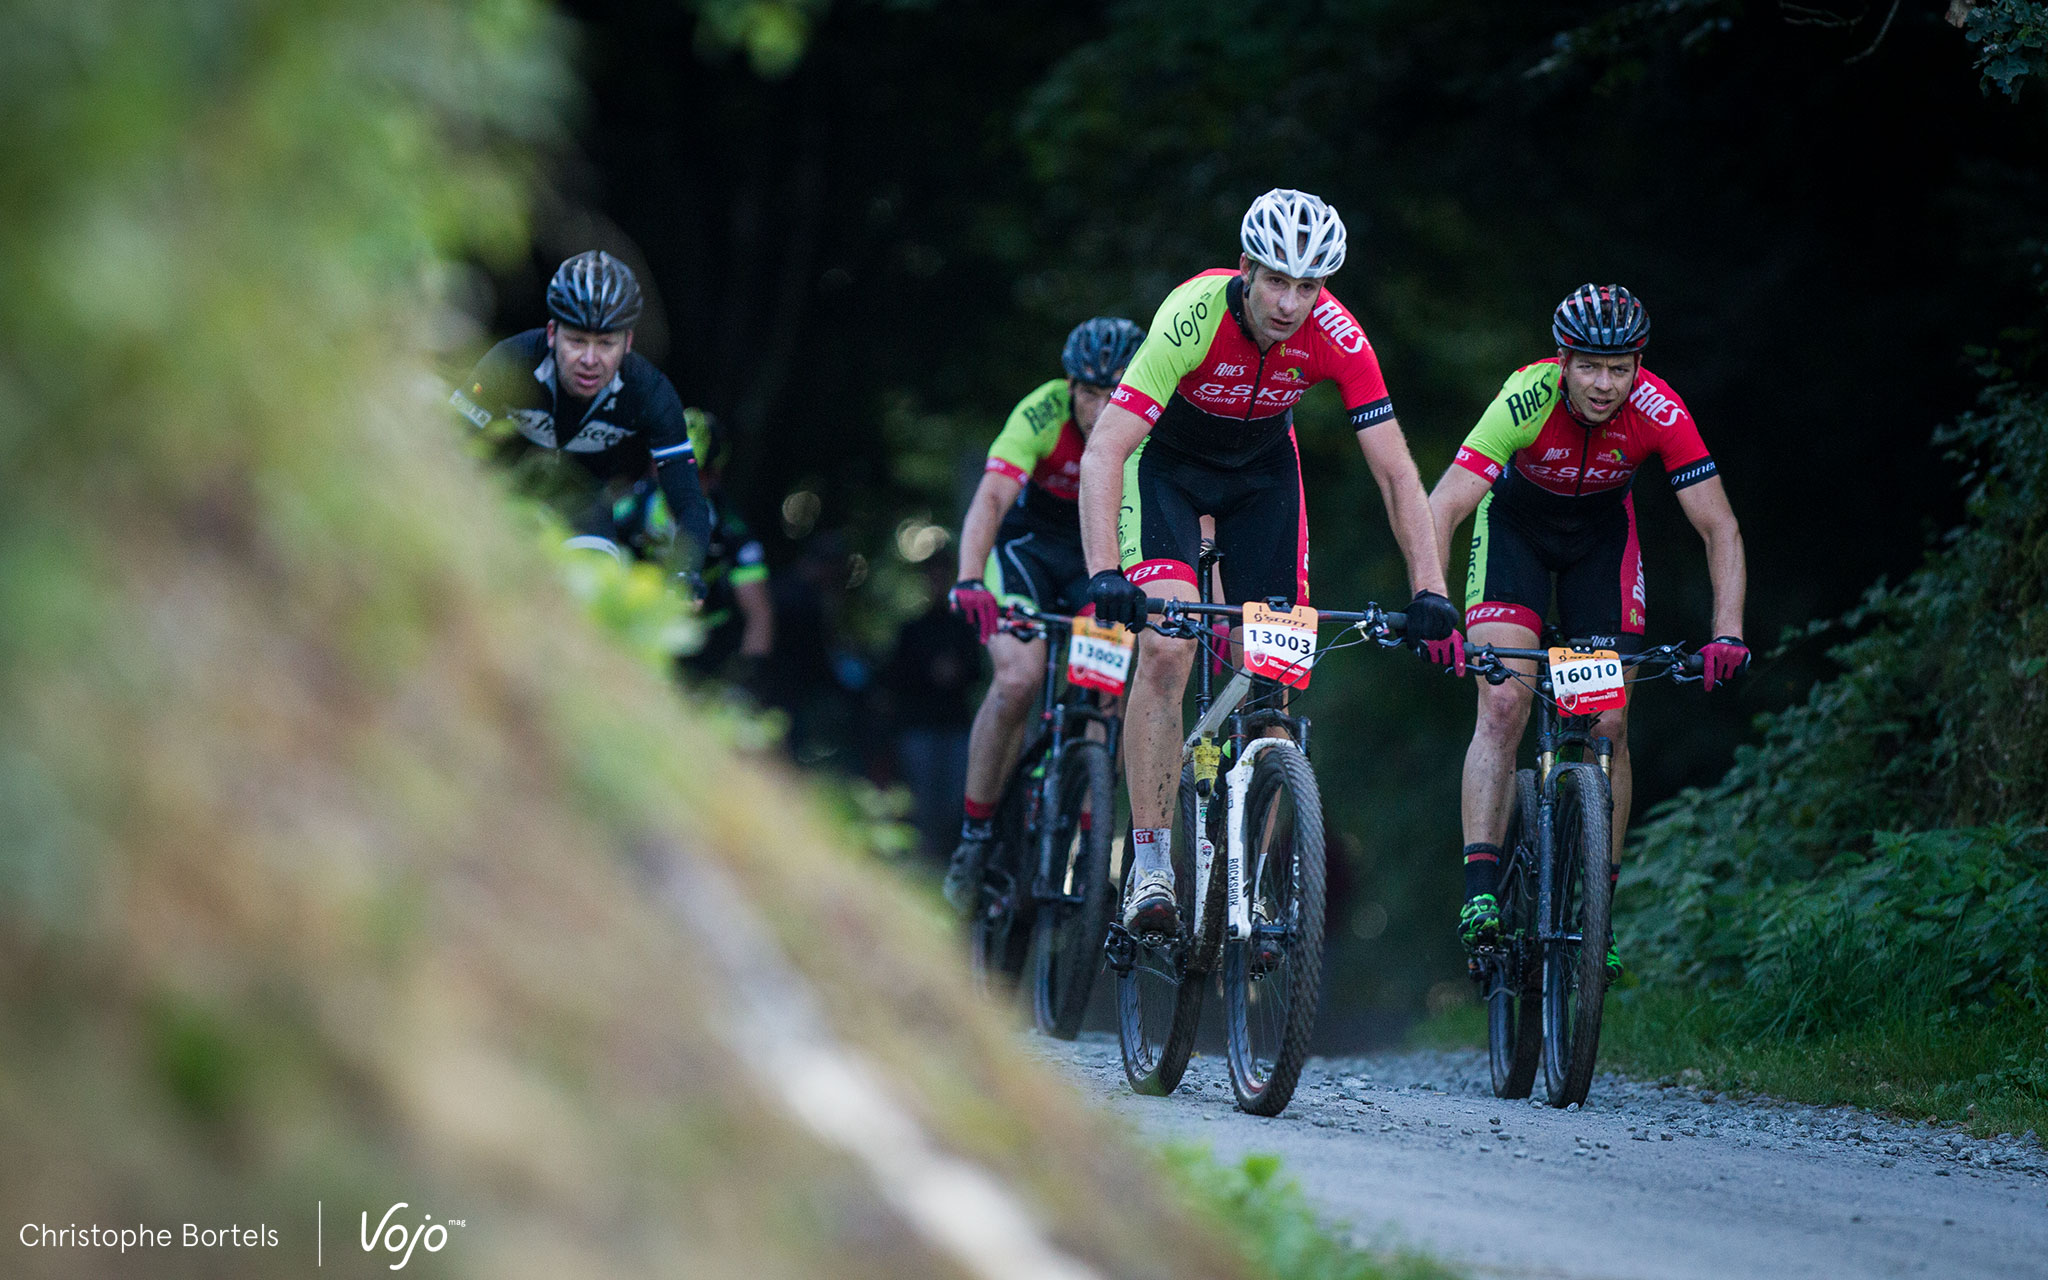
x=1036 y=563
x=1596 y=565
x=1261 y=520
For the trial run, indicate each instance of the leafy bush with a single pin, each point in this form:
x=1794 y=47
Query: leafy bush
x=1881 y=850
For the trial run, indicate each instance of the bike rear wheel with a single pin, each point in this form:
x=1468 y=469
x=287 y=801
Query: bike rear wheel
x=1575 y=966
x=1066 y=936
x=1273 y=980
x=1158 y=998
x=1514 y=976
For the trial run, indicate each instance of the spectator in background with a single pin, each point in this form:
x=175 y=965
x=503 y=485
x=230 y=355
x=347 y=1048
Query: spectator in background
x=809 y=674
x=928 y=686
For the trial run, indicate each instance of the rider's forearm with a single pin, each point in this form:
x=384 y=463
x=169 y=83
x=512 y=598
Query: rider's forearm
x=984 y=517
x=1408 y=512
x=1728 y=569
x=1117 y=433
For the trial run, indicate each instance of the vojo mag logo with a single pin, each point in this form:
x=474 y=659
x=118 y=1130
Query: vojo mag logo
x=398 y=1236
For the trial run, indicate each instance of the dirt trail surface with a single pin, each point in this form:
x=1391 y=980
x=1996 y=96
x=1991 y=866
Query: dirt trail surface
x=1650 y=1181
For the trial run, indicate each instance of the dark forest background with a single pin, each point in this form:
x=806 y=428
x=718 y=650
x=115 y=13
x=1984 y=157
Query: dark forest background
x=862 y=259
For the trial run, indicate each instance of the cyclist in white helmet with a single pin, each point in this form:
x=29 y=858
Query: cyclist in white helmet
x=1203 y=425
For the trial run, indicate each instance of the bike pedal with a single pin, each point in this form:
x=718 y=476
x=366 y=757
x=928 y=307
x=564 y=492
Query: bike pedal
x=1119 y=949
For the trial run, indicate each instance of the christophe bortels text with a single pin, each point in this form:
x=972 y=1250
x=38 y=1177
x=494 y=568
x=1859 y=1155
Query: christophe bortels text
x=191 y=1235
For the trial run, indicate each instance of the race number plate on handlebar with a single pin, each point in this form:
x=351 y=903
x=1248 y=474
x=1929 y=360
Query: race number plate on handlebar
x=1587 y=683
x=1280 y=644
x=1099 y=656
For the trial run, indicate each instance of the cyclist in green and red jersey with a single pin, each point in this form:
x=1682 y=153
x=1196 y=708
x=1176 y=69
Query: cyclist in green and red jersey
x=1021 y=541
x=1548 y=470
x=1203 y=425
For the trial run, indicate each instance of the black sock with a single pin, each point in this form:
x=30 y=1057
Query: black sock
x=1482 y=869
x=977 y=828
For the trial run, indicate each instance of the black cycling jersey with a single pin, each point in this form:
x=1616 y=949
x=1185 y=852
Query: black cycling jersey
x=631 y=429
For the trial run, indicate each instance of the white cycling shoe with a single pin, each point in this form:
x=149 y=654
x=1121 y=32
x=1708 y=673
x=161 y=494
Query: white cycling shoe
x=1152 y=908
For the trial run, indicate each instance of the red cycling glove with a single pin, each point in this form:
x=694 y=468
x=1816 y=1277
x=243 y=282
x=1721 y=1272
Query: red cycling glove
x=1726 y=657
x=976 y=603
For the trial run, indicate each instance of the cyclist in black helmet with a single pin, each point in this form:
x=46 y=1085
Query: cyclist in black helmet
x=575 y=390
x=1022 y=541
x=1546 y=476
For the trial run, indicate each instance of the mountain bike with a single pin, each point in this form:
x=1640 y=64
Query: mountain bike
x=1046 y=895
x=1545 y=981
x=1252 y=917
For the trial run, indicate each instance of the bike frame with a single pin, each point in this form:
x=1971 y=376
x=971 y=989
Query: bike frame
x=1059 y=716
x=1557 y=730
x=1214 y=712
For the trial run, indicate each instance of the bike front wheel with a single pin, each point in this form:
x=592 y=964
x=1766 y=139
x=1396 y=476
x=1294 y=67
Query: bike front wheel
x=1575 y=956
x=1273 y=979
x=1158 y=999
x=1514 y=976
x=1067 y=933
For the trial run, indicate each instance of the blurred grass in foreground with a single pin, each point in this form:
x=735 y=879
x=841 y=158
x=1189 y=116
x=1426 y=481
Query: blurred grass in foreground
x=345 y=853
x=1269 y=1218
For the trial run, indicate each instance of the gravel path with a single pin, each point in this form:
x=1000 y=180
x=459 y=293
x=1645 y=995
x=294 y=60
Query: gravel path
x=1650 y=1181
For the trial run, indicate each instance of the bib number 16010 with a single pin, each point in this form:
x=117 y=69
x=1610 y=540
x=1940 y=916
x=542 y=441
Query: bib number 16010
x=1587 y=683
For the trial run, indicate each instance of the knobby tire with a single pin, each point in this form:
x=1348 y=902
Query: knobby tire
x=1575 y=973
x=1273 y=985
x=1066 y=938
x=1159 y=1002
x=1514 y=978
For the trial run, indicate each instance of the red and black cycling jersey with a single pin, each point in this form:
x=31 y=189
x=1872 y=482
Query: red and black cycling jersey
x=1543 y=461
x=1213 y=396
x=1040 y=447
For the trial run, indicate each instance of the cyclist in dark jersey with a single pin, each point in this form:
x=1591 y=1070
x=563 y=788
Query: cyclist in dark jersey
x=1548 y=470
x=1203 y=425
x=1021 y=541
x=576 y=390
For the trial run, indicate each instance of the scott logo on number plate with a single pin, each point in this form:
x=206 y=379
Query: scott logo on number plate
x=1099 y=656
x=1280 y=644
x=1587 y=683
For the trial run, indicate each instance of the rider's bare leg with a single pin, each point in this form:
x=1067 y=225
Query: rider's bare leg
x=1488 y=788
x=999 y=724
x=1152 y=726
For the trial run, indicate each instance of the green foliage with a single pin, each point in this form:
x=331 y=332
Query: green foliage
x=1270 y=1220
x=1879 y=858
x=2013 y=39
x=773 y=32
x=1986 y=1073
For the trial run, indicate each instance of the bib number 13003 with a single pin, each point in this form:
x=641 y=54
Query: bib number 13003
x=1280 y=644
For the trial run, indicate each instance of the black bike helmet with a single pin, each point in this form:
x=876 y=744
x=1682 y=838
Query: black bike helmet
x=1097 y=350
x=596 y=292
x=1604 y=320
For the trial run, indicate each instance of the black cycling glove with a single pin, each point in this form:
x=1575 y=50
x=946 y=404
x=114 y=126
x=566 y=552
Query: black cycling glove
x=1430 y=617
x=1116 y=598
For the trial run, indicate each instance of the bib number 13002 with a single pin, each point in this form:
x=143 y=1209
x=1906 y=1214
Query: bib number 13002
x=1587 y=683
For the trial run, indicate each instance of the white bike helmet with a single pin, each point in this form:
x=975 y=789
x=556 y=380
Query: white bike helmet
x=1294 y=233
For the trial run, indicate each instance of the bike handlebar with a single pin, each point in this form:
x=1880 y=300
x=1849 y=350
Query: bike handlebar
x=1173 y=611
x=1683 y=666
